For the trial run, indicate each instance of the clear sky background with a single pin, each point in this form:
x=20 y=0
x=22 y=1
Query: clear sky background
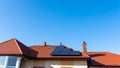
x=68 y=21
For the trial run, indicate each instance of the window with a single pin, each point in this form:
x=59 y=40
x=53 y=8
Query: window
x=12 y=61
x=2 y=61
x=9 y=61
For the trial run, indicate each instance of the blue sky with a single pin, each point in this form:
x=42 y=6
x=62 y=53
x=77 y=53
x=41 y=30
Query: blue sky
x=68 y=21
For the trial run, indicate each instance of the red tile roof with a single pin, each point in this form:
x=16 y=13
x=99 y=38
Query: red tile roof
x=14 y=47
x=42 y=51
x=104 y=58
x=45 y=52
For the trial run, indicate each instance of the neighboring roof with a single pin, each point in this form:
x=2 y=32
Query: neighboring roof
x=46 y=52
x=104 y=59
x=15 y=47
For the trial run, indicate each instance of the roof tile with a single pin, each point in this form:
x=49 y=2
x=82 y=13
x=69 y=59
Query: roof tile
x=15 y=47
x=104 y=58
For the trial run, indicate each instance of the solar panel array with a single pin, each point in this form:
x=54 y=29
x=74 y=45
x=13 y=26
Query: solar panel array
x=64 y=51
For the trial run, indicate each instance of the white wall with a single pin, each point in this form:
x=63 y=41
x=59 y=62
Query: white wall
x=56 y=64
x=80 y=64
x=104 y=67
x=52 y=64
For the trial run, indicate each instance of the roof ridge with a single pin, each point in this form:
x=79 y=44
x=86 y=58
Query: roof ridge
x=7 y=40
x=16 y=42
x=113 y=53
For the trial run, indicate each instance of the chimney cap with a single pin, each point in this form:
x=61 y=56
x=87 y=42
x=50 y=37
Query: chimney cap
x=60 y=43
x=44 y=43
x=84 y=43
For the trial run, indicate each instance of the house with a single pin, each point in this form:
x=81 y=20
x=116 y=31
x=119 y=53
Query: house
x=14 y=54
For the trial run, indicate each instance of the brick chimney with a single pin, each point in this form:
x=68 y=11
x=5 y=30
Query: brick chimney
x=84 y=46
x=43 y=43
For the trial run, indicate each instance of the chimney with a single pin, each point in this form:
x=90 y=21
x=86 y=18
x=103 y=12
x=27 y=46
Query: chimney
x=60 y=43
x=84 y=46
x=43 y=43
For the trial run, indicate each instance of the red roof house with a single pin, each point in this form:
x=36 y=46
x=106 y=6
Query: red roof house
x=14 y=54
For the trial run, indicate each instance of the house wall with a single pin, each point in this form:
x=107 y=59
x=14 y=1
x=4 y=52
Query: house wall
x=54 y=63
x=104 y=67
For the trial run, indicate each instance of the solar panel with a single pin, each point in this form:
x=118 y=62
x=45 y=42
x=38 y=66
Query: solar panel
x=63 y=51
x=57 y=50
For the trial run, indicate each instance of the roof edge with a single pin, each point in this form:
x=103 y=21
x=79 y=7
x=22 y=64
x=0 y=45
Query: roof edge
x=7 y=40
